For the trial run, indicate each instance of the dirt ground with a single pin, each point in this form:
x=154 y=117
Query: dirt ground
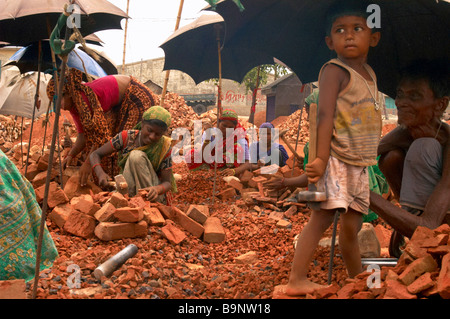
x=192 y=269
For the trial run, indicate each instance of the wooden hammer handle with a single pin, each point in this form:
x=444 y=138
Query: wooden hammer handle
x=312 y=132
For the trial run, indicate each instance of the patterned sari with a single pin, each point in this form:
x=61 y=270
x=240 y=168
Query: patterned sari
x=20 y=219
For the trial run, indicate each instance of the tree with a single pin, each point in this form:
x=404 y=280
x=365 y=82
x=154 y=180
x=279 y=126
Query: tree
x=257 y=77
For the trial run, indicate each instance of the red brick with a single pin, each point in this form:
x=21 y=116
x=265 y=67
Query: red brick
x=136 y=201
x=60 y=214
x=214 y=231
x=153 y=216
x=347 y=291
x=166 y=211
x=173 y=234
x=443 y=229
x=118 y=200
x=327 y=292
x=105 y=213
x=291 y=211
x=363 y=295
x=236 y=185
x=112 y=231
x=80 y=224
x=383 y=235
x=13 y=289
x=199 y=213
x=253 y=182
x=72 y=187
x=417 y=268
x=56 y=196
x=396 y=290
x=443 y=282
x=437 y=240
x=228 y=193
x=187 y=223
x=41 y=178
x=83 y=203
x=32 y=171
x=129 y=214
x=422 y=283
x=246 y=176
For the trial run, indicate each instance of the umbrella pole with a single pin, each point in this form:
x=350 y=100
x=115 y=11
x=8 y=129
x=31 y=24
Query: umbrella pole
x=219 y=103
x=251 y=119
x=36 y=99
x=49 y=169
x=166 y=79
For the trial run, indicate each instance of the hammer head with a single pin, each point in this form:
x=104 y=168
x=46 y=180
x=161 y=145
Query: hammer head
x=121 y=184
x=311 y=196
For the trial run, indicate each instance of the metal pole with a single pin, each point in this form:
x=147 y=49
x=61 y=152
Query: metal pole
x=49 y=169
x=333 y=242
x=36 y=98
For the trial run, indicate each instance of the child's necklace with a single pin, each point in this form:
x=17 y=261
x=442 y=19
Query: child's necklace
x=377 y=104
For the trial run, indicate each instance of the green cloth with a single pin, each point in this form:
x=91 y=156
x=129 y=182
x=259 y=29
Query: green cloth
x=20 y=219
x=377 y=183
x=156 y=113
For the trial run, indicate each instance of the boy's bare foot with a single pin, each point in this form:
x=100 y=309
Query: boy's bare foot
x=301 y=288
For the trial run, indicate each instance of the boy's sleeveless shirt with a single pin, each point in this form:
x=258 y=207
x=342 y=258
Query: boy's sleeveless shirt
x=357 y=124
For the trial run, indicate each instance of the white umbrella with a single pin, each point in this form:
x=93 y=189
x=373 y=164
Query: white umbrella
x=17 y=93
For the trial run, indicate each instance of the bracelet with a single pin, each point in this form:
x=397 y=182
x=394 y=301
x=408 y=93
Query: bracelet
x=95 y=165
x=234 y=171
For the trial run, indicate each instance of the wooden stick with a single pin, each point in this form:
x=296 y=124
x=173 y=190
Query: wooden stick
x=166 y=80
x=125 y=39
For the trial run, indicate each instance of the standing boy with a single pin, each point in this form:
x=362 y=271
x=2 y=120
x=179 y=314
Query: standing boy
x=348 y=132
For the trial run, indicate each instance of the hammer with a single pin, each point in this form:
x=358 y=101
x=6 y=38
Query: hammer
x=119 y=184
x=312 y=195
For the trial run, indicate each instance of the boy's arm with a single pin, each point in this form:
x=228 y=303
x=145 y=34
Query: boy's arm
x=331 y=83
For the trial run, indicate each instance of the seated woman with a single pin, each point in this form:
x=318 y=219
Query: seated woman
x=100 y=109
x=20 y=217
x=144 y=157
x=232 y=148
x=266 y=151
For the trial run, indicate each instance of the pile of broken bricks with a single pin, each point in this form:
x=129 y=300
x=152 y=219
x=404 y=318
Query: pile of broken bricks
x=112 y=216
x=251 y=188
x=422 y=271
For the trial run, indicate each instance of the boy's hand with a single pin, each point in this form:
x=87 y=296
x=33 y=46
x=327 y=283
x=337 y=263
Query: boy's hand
x=315 y=170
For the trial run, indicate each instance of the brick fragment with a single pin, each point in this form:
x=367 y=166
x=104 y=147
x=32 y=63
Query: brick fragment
x=13 y=289
x=118 y=200
x=105 y=213
x=80 y=224
x=129 y=214
x=153 y=216
x=228 y=193
x=214 y=231
x=417 y=268
x=246 y=176
x=83 y=203
x=187 y=223
x=199 y=213
x=107 y=231
x=422 y=283
x=443 y=282
x=173 y=234
x=60 y=214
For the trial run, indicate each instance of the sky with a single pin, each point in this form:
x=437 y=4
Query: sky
x=151 y=23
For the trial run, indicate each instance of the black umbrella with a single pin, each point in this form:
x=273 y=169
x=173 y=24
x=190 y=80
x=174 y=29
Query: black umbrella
x=193 y=49
x=293 y=31
x=27 y=21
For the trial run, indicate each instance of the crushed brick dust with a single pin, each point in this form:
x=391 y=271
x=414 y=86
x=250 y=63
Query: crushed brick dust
x=193 y=268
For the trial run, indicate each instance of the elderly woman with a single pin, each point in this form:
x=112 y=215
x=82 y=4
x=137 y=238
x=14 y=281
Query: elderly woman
x=100 y=109
x=229 y=141
x=144 y=156
x=415 y=157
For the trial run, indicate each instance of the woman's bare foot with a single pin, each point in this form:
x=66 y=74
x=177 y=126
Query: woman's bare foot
x=301 y=288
